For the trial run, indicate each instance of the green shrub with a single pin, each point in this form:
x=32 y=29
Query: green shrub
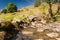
x=37 y=3
x=4 y=11
x=11 y=8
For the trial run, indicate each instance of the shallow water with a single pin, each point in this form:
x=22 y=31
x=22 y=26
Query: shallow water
x=51 y=28
x=20 y=36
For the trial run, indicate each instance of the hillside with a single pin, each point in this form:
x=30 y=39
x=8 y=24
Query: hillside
x=30 y=23
x=42 y=10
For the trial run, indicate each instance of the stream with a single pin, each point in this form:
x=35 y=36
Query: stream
x=20 y=36
x=55 y=27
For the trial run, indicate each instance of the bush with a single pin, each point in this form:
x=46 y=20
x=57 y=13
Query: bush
x=11 y=8
x=4 y=11
x=37 y=3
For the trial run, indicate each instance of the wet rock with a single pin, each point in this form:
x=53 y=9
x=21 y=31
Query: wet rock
x=52 y=35
x=20 y=36
x=27 y=38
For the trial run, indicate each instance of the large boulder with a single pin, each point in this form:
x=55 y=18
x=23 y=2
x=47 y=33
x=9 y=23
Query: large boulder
x=2 y=34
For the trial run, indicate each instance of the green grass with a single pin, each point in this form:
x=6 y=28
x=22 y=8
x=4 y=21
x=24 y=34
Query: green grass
x=10 y=16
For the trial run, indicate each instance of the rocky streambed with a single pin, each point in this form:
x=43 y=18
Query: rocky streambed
x=34 y=30
x=41 y=31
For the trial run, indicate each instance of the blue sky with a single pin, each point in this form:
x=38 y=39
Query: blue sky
x=19 y=3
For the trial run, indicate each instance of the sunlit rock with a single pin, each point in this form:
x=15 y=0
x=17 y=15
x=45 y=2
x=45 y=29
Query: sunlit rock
x=2 y=34
x=27 y=32
x=43 y=21
x=38 y=25
x=38 y=39
x=56 y=29
x=52 y=35
x=15 y=20
x=33 y=25
x=40 y=30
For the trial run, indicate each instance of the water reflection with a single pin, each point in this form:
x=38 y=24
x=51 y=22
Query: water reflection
x=20 y=36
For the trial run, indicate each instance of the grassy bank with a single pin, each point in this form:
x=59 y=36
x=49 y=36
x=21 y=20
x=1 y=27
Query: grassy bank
x=22 y=13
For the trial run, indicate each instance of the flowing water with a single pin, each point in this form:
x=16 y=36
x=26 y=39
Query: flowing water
x=22 y=37
x=53 y=29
